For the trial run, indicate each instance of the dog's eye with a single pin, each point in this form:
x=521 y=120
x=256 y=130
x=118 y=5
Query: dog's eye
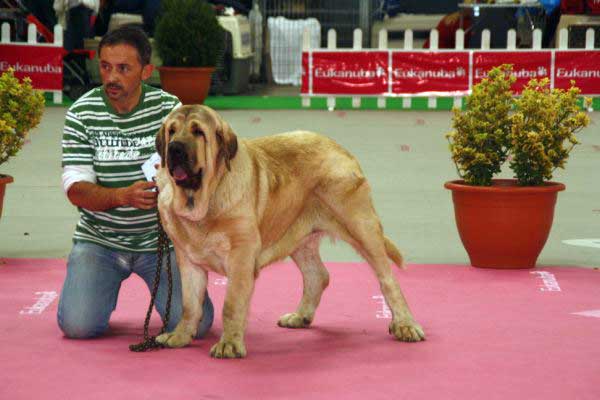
x=197 y=131
x=171 y=130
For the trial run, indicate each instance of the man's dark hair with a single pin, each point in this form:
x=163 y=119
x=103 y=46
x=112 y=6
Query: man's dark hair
x=131 y=35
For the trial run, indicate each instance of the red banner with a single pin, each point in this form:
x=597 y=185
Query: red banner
x=43 y=64
x=526 y=65
x=360 y=73
x=583 y=67
x=441 y=73
x=421 y=72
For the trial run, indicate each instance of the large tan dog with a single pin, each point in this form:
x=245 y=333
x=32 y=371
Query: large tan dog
x=235 y=206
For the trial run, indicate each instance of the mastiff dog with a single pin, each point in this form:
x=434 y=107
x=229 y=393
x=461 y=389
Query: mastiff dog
x=233 y=206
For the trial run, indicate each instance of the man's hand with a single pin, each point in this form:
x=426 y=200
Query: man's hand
x=138 y=195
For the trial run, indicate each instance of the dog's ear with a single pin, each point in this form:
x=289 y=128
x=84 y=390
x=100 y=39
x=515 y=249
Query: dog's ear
x=160 y=144
x=227 y=142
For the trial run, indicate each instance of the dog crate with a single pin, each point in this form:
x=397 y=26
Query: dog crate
x=232 y=71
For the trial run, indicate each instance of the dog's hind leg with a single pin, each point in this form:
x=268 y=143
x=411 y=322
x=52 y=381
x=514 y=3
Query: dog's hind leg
x=370 y=242
x=363 y=231
x=315 y=278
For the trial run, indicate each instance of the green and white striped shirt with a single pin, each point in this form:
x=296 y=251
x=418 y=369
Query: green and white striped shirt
x=115 y=146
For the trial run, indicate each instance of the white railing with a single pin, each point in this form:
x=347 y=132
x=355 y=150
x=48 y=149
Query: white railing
x=381 y=69
x=42 y=62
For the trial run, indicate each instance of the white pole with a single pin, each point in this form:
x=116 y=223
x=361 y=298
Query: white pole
x=5 y=32
x=331 y=39
x=589 y=39
x=459 y=44
x=408 y=45
x=563 y=39
x=537 y=39
x=31 y=34
x=434 y=37
x=408 y=39
x=485 y=39
x=331 y=45
x=383 y=45
x=306 y=47
x=511 y=39
x=58 y=35
x=357 y=45
x=459 y=39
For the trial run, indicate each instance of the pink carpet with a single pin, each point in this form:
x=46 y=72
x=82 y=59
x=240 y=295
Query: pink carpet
x=532 y=334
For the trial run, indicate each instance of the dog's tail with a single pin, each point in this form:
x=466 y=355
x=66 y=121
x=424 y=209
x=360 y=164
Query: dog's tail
x=393 y=253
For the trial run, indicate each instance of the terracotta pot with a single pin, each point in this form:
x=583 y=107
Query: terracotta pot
x=190 y=85
x=504 y=225
x=4 y=180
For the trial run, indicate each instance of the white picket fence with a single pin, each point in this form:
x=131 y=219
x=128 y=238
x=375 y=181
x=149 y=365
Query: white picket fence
x=32 y=42
x=433 y=45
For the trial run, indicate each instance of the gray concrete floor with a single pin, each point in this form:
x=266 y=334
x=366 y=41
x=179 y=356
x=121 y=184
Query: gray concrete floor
x=404 y=155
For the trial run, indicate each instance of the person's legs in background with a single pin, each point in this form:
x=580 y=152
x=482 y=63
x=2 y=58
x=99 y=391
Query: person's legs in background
x=149 y=12
x=78 y=27
x=550 y=25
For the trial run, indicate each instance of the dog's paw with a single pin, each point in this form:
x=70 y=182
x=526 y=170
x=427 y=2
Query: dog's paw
x=174 y=339
x=293 y=320
x=228 y=349
x=407 y=331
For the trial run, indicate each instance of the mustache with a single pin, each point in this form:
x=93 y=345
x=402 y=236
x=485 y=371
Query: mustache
x=113 y=86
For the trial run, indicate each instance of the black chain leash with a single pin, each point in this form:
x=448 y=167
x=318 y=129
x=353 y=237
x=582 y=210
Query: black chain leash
x=150 y=342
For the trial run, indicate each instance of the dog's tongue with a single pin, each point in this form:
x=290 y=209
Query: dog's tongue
x=179 y=174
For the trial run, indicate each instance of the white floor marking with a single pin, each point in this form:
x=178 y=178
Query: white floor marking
x=43 y=300
x=583 y=242
x=589 y=313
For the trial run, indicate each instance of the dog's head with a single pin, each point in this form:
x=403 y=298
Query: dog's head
x=194 y=143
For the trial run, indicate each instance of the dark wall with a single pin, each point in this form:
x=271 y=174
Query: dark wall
x=425 y=6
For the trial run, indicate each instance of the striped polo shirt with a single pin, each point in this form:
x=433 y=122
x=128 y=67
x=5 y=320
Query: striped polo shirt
x=116 y=145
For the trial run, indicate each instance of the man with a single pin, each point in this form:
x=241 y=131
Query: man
x=109 y=133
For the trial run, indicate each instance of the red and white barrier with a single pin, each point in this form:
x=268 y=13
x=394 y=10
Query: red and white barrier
x=437 y=72
x=41 y=62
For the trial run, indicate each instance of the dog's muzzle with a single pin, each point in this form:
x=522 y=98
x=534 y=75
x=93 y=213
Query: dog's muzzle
x=180 y=168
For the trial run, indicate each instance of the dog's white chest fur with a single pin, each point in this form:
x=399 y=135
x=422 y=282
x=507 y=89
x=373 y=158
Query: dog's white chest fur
x=208 y=250
x=211 y=254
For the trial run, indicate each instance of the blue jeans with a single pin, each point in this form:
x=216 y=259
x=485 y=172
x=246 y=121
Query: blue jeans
x=94 y=276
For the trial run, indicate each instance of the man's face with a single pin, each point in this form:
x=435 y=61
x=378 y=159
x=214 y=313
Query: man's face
x=121 y=71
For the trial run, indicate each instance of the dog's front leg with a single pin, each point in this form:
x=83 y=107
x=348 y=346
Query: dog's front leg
x=193 y=287
x=240 y=285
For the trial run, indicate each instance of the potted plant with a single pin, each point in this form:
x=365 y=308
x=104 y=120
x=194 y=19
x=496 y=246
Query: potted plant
x=21 y=109
x=188 y=39
x=504 y=223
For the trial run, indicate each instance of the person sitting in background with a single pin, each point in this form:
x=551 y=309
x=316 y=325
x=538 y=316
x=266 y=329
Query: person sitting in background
x=448 y=26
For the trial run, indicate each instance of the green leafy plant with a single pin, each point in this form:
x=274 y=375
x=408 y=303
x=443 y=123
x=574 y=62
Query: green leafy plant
x=188 y=34
x=535 y=131
x=21 y=109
